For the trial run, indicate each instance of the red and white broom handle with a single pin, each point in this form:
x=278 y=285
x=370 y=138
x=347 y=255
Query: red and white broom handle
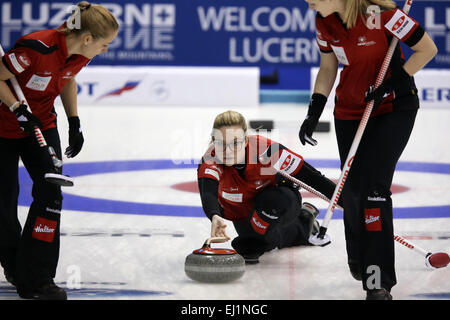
x=37 y=132
x=359 y=134
x=411 y=246
x=397 y=238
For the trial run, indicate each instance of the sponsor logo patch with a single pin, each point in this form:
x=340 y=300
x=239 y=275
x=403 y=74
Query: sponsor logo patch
x=38 y=83
x=15 y=63
x=213 y=173
x=340 y=55
x=362 y=41
x=372 y=219
x=400 y=24
x=288 y=162
x=44 y=229
x=233 y=197
x=259 y=225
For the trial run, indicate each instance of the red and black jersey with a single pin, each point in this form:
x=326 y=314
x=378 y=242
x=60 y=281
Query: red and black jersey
x=40 y=62
x=361 y=50
x=237 y=188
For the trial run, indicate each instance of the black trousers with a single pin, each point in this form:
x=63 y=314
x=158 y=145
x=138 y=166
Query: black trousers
x=368 y=217
x=274 y=223
x=30 y=256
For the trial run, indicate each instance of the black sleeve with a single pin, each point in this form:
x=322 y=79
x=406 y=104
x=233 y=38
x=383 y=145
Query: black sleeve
x=209 y=189
x=316 y=180
x=415 y=37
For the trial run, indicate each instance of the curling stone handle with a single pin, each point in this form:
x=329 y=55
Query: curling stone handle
x=215 y=240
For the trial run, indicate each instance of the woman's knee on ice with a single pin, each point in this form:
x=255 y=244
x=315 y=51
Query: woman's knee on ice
x=275 y=203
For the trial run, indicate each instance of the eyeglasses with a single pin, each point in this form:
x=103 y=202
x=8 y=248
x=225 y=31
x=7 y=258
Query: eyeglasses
x=236 y=145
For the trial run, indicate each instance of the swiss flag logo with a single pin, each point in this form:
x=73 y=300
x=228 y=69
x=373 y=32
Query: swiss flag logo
x=398 y=23
x=259 y=225
x=373 y=219
x=24 y=61
x=44 y=229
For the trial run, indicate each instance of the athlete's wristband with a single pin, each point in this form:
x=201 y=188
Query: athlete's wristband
x=316 y=105
x=11 y=107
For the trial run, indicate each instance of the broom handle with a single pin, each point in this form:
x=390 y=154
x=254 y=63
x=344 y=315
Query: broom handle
x=397 y=238
x=359 y=134
x=37 y=132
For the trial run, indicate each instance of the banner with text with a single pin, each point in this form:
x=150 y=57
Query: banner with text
x=206 y=32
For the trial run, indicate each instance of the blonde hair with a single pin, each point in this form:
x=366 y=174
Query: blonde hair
x=227 y=119
x=355 y=8
x=94 y=19
x=230 y=118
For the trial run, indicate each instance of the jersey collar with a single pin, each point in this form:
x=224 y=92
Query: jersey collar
x=62 y=42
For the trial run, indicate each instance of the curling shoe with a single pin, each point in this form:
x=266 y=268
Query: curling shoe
x=251 y=258
x=47 y=291
x=378 y=294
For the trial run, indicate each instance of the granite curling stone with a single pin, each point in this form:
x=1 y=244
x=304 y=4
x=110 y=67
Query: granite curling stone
x=214 y=265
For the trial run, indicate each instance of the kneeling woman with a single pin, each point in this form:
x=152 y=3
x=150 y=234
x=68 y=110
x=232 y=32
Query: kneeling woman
x=238 y=181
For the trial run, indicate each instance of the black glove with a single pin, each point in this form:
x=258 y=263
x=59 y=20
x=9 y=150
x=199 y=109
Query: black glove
x=27 y=120
x=392 y=83
x=76 y=139
x=315 y=109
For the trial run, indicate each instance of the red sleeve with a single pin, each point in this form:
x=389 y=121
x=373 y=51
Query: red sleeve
x=282 y=159
x=321 y=38
x=402 y=26
x=17 y=60
x=209 y=168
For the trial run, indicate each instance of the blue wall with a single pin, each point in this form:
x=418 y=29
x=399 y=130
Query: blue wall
x=270 y=34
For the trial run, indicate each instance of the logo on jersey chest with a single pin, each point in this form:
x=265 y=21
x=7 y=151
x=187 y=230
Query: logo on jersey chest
x=38 y=83
x=68 y=75
x=233 y=197
x=260 y=183
x=340 y=55
x=362 y=41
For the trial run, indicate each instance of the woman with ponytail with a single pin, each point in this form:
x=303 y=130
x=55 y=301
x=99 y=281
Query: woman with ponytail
x=45 y=64
x=357 y=34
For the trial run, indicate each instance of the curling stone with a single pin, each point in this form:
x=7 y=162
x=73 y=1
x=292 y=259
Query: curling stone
x=437 y=260
x=214 y=265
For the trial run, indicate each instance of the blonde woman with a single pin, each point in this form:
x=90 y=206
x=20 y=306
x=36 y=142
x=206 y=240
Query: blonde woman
x=45 y=64
x=238 y=181
x=349 y=35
